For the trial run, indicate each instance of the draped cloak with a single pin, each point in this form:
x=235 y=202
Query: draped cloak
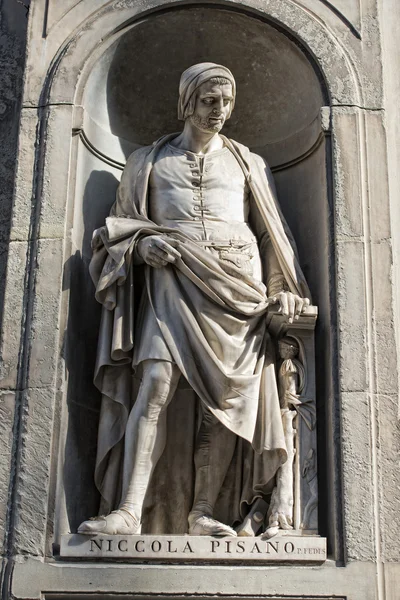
x=247 y=404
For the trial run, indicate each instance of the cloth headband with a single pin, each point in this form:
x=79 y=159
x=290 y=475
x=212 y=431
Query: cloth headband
x=193 y=77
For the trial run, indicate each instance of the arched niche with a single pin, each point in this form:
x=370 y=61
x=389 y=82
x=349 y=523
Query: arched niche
x=129 y=99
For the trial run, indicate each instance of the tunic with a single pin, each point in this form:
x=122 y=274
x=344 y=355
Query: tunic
x=207 y=198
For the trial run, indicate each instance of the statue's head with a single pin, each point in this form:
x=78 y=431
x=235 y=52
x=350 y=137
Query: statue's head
x=288 y=348
x=206 y=96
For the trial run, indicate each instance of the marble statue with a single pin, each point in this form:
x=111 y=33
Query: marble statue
x=197 y=214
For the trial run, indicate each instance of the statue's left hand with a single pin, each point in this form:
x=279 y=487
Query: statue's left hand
x=291 y=305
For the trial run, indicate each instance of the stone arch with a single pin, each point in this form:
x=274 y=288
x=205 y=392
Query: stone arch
x=72 y=61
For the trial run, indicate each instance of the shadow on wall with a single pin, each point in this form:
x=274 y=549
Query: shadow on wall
x=83 y=399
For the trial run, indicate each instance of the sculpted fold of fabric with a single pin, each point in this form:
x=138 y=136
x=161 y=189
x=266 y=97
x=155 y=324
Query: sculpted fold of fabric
x=228 y=361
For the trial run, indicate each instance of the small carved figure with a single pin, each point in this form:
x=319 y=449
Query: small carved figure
x=291 y=382
x=309 y=471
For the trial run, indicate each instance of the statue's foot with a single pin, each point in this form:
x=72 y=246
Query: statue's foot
x=277 y=522
x=202 y=524
x=270 y=532
x=118 y=522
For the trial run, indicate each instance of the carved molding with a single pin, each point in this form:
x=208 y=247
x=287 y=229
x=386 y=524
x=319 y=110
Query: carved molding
x=336 y=11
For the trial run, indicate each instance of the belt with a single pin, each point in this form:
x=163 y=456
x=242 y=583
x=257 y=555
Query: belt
x=230 y=243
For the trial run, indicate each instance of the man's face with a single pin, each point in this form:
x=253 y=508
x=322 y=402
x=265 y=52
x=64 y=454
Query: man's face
x=212 y=106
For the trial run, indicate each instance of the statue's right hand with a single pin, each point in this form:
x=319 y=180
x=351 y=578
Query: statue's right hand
x=157 y=251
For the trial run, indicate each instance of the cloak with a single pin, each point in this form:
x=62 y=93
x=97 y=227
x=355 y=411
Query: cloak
x=247 y=405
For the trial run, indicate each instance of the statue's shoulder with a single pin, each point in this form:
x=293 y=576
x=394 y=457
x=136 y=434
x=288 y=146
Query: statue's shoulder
x=251 y=158
x=137 y=159
x=135 y=163
x=139 y=155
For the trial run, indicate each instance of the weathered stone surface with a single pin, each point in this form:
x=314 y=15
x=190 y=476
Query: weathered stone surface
x=358 y=490
x=352 y=316
x=13 y=26
x=44 y=332
x=7 y=405
x=56 y=173
x=33 y=474
x=347 y=176
x=388 y=467
x=24 y=177
x=386 y=354
x=40 y=203
x=390 y=22
x=13 y=314
x=377 y=188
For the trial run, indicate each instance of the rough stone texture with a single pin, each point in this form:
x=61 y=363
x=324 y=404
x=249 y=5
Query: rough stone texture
x=357 y=473
x=30 y=513
x=377 y=175
x=347 y=183
x=13 y=25
x=352 y=316
x=389 y=456
x=13 y=28
x=7 y=403
x=45 y=319
x=386 y=378
x=24 y=176
x=390 y=22
x=389 y=404
x=12 y=314
x=43 y=216
x=55 y=177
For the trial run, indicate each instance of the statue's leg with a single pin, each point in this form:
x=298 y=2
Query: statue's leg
x=215 y=446
x=144 y=444
x=146 y=431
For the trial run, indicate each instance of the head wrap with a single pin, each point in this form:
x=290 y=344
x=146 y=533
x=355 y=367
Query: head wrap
x=193 y=77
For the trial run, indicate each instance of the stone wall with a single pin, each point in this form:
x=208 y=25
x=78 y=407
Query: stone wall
x=13 y=32
x=352 y=48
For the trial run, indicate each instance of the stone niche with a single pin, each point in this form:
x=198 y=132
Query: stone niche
x=129 y=100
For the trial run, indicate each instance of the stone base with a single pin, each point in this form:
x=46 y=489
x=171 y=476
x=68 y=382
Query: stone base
x=287 y=548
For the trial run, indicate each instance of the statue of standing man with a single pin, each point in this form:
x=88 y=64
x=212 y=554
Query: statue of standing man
x=198 y=213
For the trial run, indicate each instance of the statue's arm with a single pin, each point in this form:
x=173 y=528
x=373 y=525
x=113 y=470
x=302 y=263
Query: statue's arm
x=124 y=205
x=273 y=276
x=291 y=304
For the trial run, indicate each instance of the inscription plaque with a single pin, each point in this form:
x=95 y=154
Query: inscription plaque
x=195 y=548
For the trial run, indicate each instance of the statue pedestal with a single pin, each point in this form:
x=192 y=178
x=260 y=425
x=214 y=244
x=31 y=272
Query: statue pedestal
x=183 y=548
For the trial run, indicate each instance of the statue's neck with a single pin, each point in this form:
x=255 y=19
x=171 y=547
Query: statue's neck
x=197 y=141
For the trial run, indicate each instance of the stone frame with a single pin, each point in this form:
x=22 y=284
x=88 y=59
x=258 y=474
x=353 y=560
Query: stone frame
x=32 y=370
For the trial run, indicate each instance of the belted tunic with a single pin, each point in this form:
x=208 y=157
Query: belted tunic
x=206 y=198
